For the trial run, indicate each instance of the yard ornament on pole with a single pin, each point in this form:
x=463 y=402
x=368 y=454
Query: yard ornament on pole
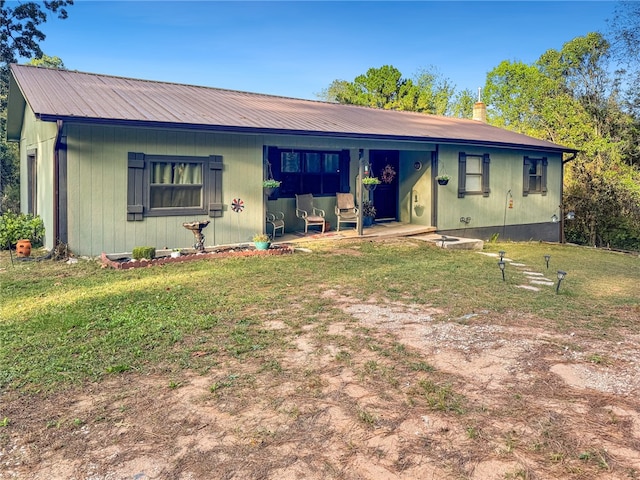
x=237 y=206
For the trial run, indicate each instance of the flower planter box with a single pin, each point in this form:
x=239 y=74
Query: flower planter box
x=127 y=263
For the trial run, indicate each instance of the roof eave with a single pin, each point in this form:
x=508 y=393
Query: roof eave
x=310 y=133
x=15 y=111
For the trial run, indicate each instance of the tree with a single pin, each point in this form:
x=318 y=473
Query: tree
x=19 y=27
x=333 y=92
x=570 y=98
x=381 y=87
x=429 y=92
x=20 y=35
x=385 y=87
x=47 y=61
x=462 y=104
x=625 y=40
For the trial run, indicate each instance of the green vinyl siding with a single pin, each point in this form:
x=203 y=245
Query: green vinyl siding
x=506 y=175
x=38 y=137
x=97 y=184
x=415 y=195
x=97 y=188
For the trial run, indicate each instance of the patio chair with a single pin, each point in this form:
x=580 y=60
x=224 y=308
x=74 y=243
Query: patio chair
x=346 y=210
x=276 y=219
x=306 y=211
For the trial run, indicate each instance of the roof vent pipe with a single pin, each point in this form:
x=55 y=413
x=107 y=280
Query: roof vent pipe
x=480 y=109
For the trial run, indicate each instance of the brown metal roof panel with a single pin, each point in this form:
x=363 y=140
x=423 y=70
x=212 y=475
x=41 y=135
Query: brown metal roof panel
x=71 y=94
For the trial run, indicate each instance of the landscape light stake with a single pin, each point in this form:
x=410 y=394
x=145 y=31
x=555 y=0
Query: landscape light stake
x=501 y=265
x=546 y=259
x=501 y=253
x=561 y=276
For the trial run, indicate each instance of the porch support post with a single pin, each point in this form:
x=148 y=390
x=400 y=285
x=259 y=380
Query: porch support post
x=359 y=189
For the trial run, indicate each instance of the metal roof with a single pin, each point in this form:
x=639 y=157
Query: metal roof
x=86 y=97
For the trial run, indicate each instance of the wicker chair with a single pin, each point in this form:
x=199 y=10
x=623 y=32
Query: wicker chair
x=276 y=219
x=310 y=214
x=346 y=210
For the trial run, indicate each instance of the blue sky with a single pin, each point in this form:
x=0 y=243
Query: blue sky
x=297 y=49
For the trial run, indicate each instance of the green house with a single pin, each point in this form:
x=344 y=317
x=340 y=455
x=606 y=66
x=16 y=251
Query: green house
x=111 y=163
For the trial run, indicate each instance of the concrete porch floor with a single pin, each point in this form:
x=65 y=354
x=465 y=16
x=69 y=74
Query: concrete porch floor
x=386 y=230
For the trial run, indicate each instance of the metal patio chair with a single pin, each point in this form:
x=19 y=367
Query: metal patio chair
x=346 y=210
x=308 y=212
x=276 y=219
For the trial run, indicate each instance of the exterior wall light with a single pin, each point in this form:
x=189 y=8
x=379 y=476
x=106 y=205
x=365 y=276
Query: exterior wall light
x=571 y=215
x=554 y=218
x=561 y=276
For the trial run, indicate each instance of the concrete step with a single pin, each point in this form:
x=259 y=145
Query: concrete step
x=452 y=243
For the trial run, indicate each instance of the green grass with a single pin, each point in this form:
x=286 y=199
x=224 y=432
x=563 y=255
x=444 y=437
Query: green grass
x=67 y=324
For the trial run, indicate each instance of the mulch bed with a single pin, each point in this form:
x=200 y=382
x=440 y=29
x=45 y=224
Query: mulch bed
x=125 y=263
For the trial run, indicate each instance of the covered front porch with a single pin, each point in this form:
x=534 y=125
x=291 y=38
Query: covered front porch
x=377 y=230
x=385 y=230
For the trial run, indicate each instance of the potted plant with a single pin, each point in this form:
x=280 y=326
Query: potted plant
x=370 y=183
x=146 y=253
x=368 y=213
x=262 y=241
x=443 y=179
x=270 y=186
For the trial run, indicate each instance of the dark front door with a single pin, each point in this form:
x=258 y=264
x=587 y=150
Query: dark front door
x=384 y=165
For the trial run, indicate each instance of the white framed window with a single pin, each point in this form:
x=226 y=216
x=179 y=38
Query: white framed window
x=473 y=174
x=534 y=175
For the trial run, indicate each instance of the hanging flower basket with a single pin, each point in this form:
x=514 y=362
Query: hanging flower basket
x=370 y=183
x=442 y=179
x=270 y=186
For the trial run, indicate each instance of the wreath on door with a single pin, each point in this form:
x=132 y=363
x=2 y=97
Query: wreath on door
x=388 y=174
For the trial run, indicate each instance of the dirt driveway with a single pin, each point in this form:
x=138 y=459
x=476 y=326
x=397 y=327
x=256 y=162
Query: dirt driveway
x=396 y=392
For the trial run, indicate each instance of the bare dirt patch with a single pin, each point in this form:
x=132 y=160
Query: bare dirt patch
x=392 y=392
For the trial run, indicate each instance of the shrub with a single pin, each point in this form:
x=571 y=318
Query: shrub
x=14 y=227
x=144 y=252
x=368 y=210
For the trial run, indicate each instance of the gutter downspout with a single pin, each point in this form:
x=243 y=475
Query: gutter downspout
x=360 y=189
x=56 y=183
x=435 y=165
x=564 y=162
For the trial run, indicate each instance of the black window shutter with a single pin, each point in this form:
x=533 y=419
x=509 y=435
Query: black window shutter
x=345 y=161
x=214 y=180
x=135 y=186
x=274 y=160
x=485 y=175
x=525 y=176
x=462 y=174
x=543 y=179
